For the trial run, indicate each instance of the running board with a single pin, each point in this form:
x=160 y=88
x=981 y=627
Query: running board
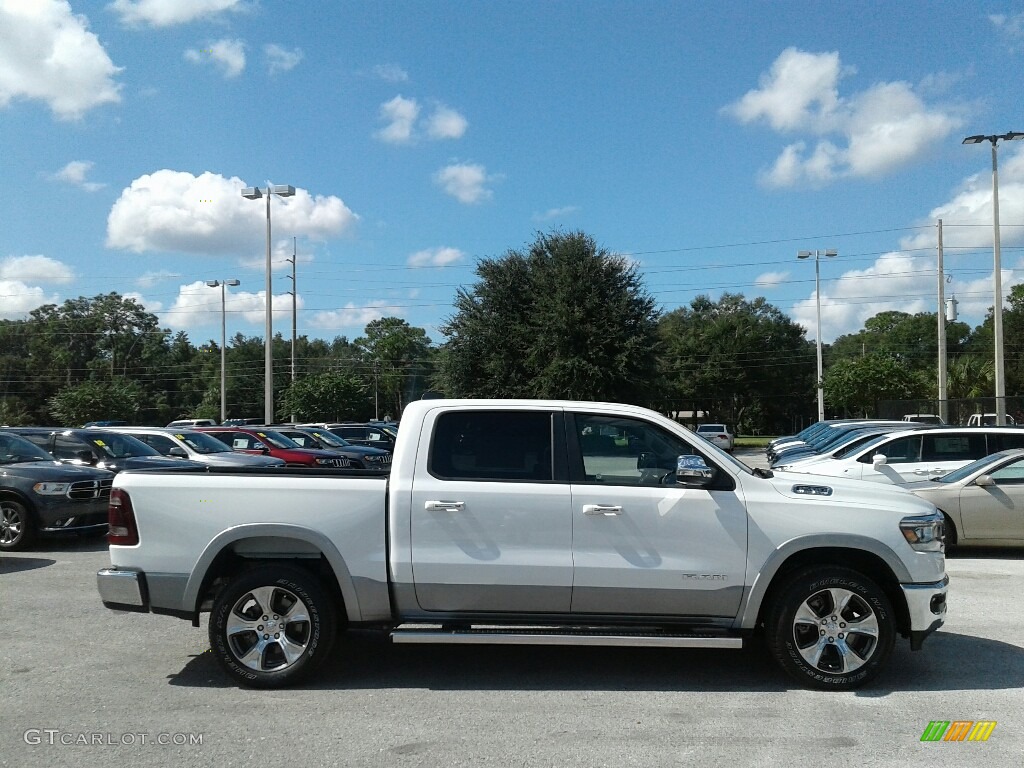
x=564 y=636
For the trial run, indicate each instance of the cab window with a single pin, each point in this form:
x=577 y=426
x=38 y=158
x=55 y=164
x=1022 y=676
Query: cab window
x=492 y=445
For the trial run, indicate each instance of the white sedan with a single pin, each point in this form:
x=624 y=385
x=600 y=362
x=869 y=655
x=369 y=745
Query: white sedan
x=719 y=435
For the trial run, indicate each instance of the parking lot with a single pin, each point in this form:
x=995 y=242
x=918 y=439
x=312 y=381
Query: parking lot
x=85 y=686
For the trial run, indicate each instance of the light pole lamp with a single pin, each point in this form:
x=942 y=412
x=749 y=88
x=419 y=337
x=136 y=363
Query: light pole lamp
x=997 y=277
x=255 y=193
x=223 y=343
x=817 y=296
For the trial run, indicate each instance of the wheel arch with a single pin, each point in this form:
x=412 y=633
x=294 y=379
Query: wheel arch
x=12 y=494
x=247 y=546
x=877 y=562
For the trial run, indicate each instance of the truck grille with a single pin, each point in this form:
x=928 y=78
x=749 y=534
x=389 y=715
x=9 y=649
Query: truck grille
x=83 y=490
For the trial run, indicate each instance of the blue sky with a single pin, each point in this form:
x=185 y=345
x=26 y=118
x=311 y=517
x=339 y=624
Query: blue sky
x=707 y=141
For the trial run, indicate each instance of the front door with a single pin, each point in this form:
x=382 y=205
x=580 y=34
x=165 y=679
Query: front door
x=995 y=511
x=491 y=520
x=642 y=544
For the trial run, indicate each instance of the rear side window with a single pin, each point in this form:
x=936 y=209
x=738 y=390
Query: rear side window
x=944 y=447
x=160 y=443
x=905 y=450
x=492 y=445
x=1003 y=442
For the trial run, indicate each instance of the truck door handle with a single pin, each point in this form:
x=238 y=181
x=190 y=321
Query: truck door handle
x=605 y=510
x=444 y=506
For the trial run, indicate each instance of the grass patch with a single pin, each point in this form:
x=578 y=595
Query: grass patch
x=761 y=441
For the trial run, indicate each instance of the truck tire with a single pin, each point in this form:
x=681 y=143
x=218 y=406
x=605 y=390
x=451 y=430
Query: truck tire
x=272 y=626
x=831 y=628
x=17 y=528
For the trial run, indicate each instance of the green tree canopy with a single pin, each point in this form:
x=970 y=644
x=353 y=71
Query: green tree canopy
x=398 y=357
x=95 y=400
x=326 y=397
x=854 y=386
x=563 y=318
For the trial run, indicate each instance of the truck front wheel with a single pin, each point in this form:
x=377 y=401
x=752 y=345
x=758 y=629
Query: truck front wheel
x=831 y=628
x=272 y=626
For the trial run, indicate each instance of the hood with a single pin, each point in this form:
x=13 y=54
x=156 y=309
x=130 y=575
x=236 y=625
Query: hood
x=150 y=462
x=237 y=459
x=848 y=492
x=358 y=451
x=52 y=471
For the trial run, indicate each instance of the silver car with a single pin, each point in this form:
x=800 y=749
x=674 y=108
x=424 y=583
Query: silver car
x=197 y=446
x=983 y=501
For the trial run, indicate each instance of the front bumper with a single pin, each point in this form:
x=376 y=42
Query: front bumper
x=123 y=590
x=926 y=605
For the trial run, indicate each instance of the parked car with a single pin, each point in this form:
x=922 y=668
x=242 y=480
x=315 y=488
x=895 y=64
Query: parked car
x=101 y=448
x=107 y=423
x=987 y=420
x=196 y=446
x=250 y=422
x=179 y=423
x=41 y=495
x=359 y=456
x=924 y=418
x=911 y=455
x=360 y=434
x=831 y=437
x=842 y=443
x=268 y=442
x=718 y=434
x=983 y=501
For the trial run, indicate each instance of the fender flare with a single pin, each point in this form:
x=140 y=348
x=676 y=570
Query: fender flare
x=191 y=597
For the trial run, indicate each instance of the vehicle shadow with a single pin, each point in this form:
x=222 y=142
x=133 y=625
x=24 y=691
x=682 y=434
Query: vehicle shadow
x=949 y=662
x=10 y=564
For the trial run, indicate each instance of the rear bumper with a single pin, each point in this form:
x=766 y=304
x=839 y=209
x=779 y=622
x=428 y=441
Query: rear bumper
x=926 y=605
x=123 y=589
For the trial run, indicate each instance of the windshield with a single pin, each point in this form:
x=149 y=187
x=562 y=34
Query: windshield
x=328 y=438
x=15 y=449
x=975 y=466
x=276 y=439
x=118 y=446
x=200 y=442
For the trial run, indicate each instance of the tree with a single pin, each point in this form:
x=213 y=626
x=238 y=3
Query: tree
x=95 y=400
x=563 y=318
x=856 y=385
x=398 y=357
x=742 y=362
x=327 y=397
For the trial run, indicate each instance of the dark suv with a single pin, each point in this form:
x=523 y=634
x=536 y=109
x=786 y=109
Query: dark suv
x=372 y=435
x=99 y=448
x=40 y=495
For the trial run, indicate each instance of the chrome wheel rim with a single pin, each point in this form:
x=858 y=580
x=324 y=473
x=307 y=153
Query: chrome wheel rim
x=835 y=631
x=11 y=524
x=268 y=629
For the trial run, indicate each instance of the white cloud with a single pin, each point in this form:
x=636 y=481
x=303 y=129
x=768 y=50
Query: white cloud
x=174 y=211
x=436 y=257
x=48 y=54
x=18 y=299
x=166 y=13
x=199 y=304
x=37 y=269
x=280 y=59
x=150 y=305
x=74 y=173
x=149 y=279
x=556 y=213
x=400 y=115
x=465 y=182
x=446 y=123
x=771 y=279
x=1011 y=26
x=228 y=55
x=391 y=73
x=352 y=316
x=867 y=134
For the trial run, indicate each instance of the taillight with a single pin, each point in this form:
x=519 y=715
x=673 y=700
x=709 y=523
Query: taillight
x=121 y=518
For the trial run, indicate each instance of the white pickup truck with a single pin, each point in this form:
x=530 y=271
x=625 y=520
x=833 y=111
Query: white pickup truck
x=532 y=522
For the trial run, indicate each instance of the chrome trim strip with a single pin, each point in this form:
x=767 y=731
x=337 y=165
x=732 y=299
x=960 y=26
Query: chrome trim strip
x=515 y=638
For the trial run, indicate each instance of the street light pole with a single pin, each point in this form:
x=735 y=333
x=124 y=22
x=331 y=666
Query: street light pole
x=295 y=294
x=997 y=277
x=254 y=193
x=817 y=295
x=223 y=343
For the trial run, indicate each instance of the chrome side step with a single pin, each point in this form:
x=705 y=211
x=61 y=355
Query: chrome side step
x=560 y=636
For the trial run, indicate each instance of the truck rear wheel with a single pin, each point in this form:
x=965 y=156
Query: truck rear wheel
x=272 y=626
x=831 y=628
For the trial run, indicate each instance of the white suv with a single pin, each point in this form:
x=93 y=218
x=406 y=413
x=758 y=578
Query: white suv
x=912 y=455
x=718 y=434
x=987 y=420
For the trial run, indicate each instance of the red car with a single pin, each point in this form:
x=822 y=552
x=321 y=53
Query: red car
x=267 y=442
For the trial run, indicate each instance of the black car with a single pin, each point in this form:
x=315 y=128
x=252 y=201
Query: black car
x=360 y=456
x=99 y=448
x=41 y=495
x=360 y=434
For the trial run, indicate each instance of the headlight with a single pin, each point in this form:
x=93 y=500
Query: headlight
x=925 y=534
x=327 y=462
x=51 y=489
x=375 y=457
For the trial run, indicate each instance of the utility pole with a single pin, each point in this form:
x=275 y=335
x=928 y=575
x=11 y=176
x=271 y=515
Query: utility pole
x=295 y=294
x=943 y=394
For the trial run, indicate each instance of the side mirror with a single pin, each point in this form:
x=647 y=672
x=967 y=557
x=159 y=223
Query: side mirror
x=984 y=481
x=177 y=452
x=878 y=461
x=693 y=472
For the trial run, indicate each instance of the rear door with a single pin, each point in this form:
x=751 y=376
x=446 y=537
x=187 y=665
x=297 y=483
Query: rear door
x=641 y=544
x=491 y=524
